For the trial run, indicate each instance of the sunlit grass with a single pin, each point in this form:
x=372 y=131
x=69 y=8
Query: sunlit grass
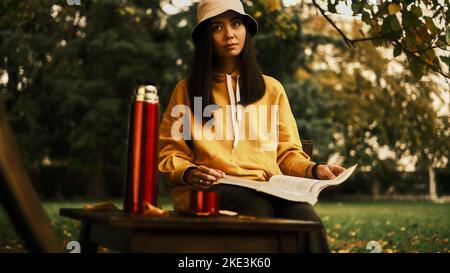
x=396 y=226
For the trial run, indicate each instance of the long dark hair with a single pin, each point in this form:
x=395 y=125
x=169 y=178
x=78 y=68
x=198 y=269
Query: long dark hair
x=251 y=83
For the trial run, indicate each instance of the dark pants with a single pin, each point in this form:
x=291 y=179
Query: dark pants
x=253 y=203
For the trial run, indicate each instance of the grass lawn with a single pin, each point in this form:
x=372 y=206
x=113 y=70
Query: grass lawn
x=395 y=226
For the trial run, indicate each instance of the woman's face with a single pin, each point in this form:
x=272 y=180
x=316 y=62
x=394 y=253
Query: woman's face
x=228 y=34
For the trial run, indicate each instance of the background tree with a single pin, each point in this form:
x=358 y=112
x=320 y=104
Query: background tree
x=418 y=29
x=380 y=109
x=71 y=71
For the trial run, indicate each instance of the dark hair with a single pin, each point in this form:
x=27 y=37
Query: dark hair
x=251 y=83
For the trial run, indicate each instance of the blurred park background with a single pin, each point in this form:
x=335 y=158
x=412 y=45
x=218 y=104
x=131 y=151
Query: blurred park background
x=368 y=82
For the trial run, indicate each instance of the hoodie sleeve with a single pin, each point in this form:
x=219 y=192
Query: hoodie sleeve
x=175 y=156
x=290 y=156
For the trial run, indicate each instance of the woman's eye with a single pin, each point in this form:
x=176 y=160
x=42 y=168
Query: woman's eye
x=216 y=28
x=237 y=23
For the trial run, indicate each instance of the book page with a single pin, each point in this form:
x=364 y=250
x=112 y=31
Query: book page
x=293 y=183
x=288 y=194
x=289 y=187
x=306 y=185
x=264 y=186
x=233 y=180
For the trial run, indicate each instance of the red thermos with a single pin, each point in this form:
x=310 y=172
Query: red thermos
x=149 y=186
x=141 y=179
x=133 y=173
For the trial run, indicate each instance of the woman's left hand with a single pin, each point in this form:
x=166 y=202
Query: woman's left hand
x=325 y=172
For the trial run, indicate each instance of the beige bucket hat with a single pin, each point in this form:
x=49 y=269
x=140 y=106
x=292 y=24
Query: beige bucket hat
x=210 y=8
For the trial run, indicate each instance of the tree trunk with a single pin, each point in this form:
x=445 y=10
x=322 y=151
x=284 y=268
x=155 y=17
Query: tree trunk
x=97 y=186
x=432 y=182
x=376 y=187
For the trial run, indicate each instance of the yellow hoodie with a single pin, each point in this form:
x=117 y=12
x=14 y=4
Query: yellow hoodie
x=256 y=158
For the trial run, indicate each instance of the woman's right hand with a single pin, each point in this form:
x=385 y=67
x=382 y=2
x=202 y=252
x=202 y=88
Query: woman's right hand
x=202 y=177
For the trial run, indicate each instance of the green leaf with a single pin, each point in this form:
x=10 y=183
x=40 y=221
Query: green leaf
x=397 y=51
x=387 y=26
x=410 y=19
x=416 y=68
x=443 y=38
x=445 y=60
x=429 y=56
x=416 y=10
x=357 y=7
x=332 y=7
x=391 y=27
x=366 y=18
x=447 y=36
x=431 y=26
x=395 y=24
x=377 y=42
x=410 y=41
x=440 y=43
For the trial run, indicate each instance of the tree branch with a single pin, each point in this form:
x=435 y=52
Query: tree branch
x=411 y=53
x=351 y=42
x=367 y=39
x=425 y=49
x=346 y=39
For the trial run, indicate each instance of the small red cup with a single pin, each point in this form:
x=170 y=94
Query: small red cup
x=204 y=203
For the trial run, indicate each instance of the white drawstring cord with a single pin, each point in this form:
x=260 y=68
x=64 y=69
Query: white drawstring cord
x=236 y=110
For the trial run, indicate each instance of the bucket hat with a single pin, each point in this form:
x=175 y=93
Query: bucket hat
x=210 y=8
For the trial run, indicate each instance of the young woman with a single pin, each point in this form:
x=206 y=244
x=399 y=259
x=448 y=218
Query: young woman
x=225 y=75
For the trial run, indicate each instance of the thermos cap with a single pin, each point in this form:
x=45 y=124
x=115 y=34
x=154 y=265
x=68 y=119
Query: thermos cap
x=148 y=93
x=151 y=94
x=150 y=89
x=140 y=93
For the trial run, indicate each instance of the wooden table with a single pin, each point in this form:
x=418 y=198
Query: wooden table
x=176 y=233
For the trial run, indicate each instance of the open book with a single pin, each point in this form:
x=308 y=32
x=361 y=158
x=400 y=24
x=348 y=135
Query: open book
x=292 y=188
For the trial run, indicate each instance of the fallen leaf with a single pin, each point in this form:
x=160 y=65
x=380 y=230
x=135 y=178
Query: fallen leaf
x=101 y=206
x=151 y=210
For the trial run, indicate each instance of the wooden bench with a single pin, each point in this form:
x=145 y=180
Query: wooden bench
x=176 y=233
